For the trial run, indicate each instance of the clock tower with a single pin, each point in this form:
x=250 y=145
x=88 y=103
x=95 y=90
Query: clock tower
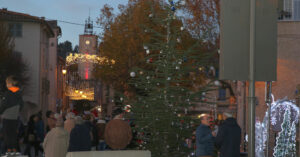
x=88 y=44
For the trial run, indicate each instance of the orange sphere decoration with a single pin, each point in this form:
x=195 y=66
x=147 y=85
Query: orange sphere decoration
x=117 y=134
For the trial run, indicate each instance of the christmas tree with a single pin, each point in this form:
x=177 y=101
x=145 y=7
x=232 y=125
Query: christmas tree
x=165 y=89
x=283 y=140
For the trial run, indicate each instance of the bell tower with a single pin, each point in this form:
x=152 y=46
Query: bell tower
x=88 y=41
x=88 y=45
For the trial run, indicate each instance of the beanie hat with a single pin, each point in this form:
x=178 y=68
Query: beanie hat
x=228 y=115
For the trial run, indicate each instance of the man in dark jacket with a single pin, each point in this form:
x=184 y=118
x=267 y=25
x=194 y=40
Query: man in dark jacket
x=80 y=139
x=204 y=138
x=229 y=137
x=10 y=106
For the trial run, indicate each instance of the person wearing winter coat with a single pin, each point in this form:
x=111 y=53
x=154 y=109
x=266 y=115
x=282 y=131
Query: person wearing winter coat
x=10 y=106
x=69 y=124
x=228 y=139
x=101 y=129
x=39 y=127
x=56 y=142
x=31 y=136
x=205 y=140
x=51 y=121
x=91 y=125
x=80 y=139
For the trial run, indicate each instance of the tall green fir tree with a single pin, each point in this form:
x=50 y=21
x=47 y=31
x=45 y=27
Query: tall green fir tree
x=166 y=88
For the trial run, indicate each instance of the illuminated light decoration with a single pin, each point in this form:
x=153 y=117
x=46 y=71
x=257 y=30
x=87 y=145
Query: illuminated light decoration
x=286 y=139
x=86 y=74
x=64 y=71
x=82 y=94
x=284 y=117
x=99 y=108
x=127 y=108
x=88 y=58
x=261 y=134
x=86 y=71
x=278 y=109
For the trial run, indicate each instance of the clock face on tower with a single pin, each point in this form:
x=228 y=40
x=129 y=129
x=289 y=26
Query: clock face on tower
x=88 y=44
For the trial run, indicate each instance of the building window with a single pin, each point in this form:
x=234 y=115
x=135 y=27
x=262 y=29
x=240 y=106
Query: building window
x=296 y=11
x=15 y=29
x=222 y=94
x=289 y=10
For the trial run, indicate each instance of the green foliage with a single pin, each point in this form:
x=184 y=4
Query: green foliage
x=164 y=89
x=11 y=62
x=64 y=48
x=126 y=33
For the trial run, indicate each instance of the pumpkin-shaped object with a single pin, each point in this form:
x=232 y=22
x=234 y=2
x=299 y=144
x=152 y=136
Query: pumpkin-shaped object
x=117 y=134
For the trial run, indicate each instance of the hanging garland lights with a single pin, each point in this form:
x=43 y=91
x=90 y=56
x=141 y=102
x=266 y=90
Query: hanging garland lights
x=80 y=94
x=87 y=58
x=84 y=91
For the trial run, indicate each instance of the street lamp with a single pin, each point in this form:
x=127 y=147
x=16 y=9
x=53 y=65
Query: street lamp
x=64 y=71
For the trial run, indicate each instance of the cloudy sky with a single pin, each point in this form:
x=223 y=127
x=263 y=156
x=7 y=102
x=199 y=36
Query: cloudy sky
x=76 y=11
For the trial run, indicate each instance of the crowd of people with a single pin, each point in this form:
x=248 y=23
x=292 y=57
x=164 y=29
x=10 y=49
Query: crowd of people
x=72 y=132
x=62 y=133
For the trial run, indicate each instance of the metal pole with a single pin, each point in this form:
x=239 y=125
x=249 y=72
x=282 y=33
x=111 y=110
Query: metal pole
x=268 y=102
x=245 y=116
x=251 y=104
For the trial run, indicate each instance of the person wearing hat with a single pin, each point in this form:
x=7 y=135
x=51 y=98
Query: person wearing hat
x=56 y=142
x=228 y=139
